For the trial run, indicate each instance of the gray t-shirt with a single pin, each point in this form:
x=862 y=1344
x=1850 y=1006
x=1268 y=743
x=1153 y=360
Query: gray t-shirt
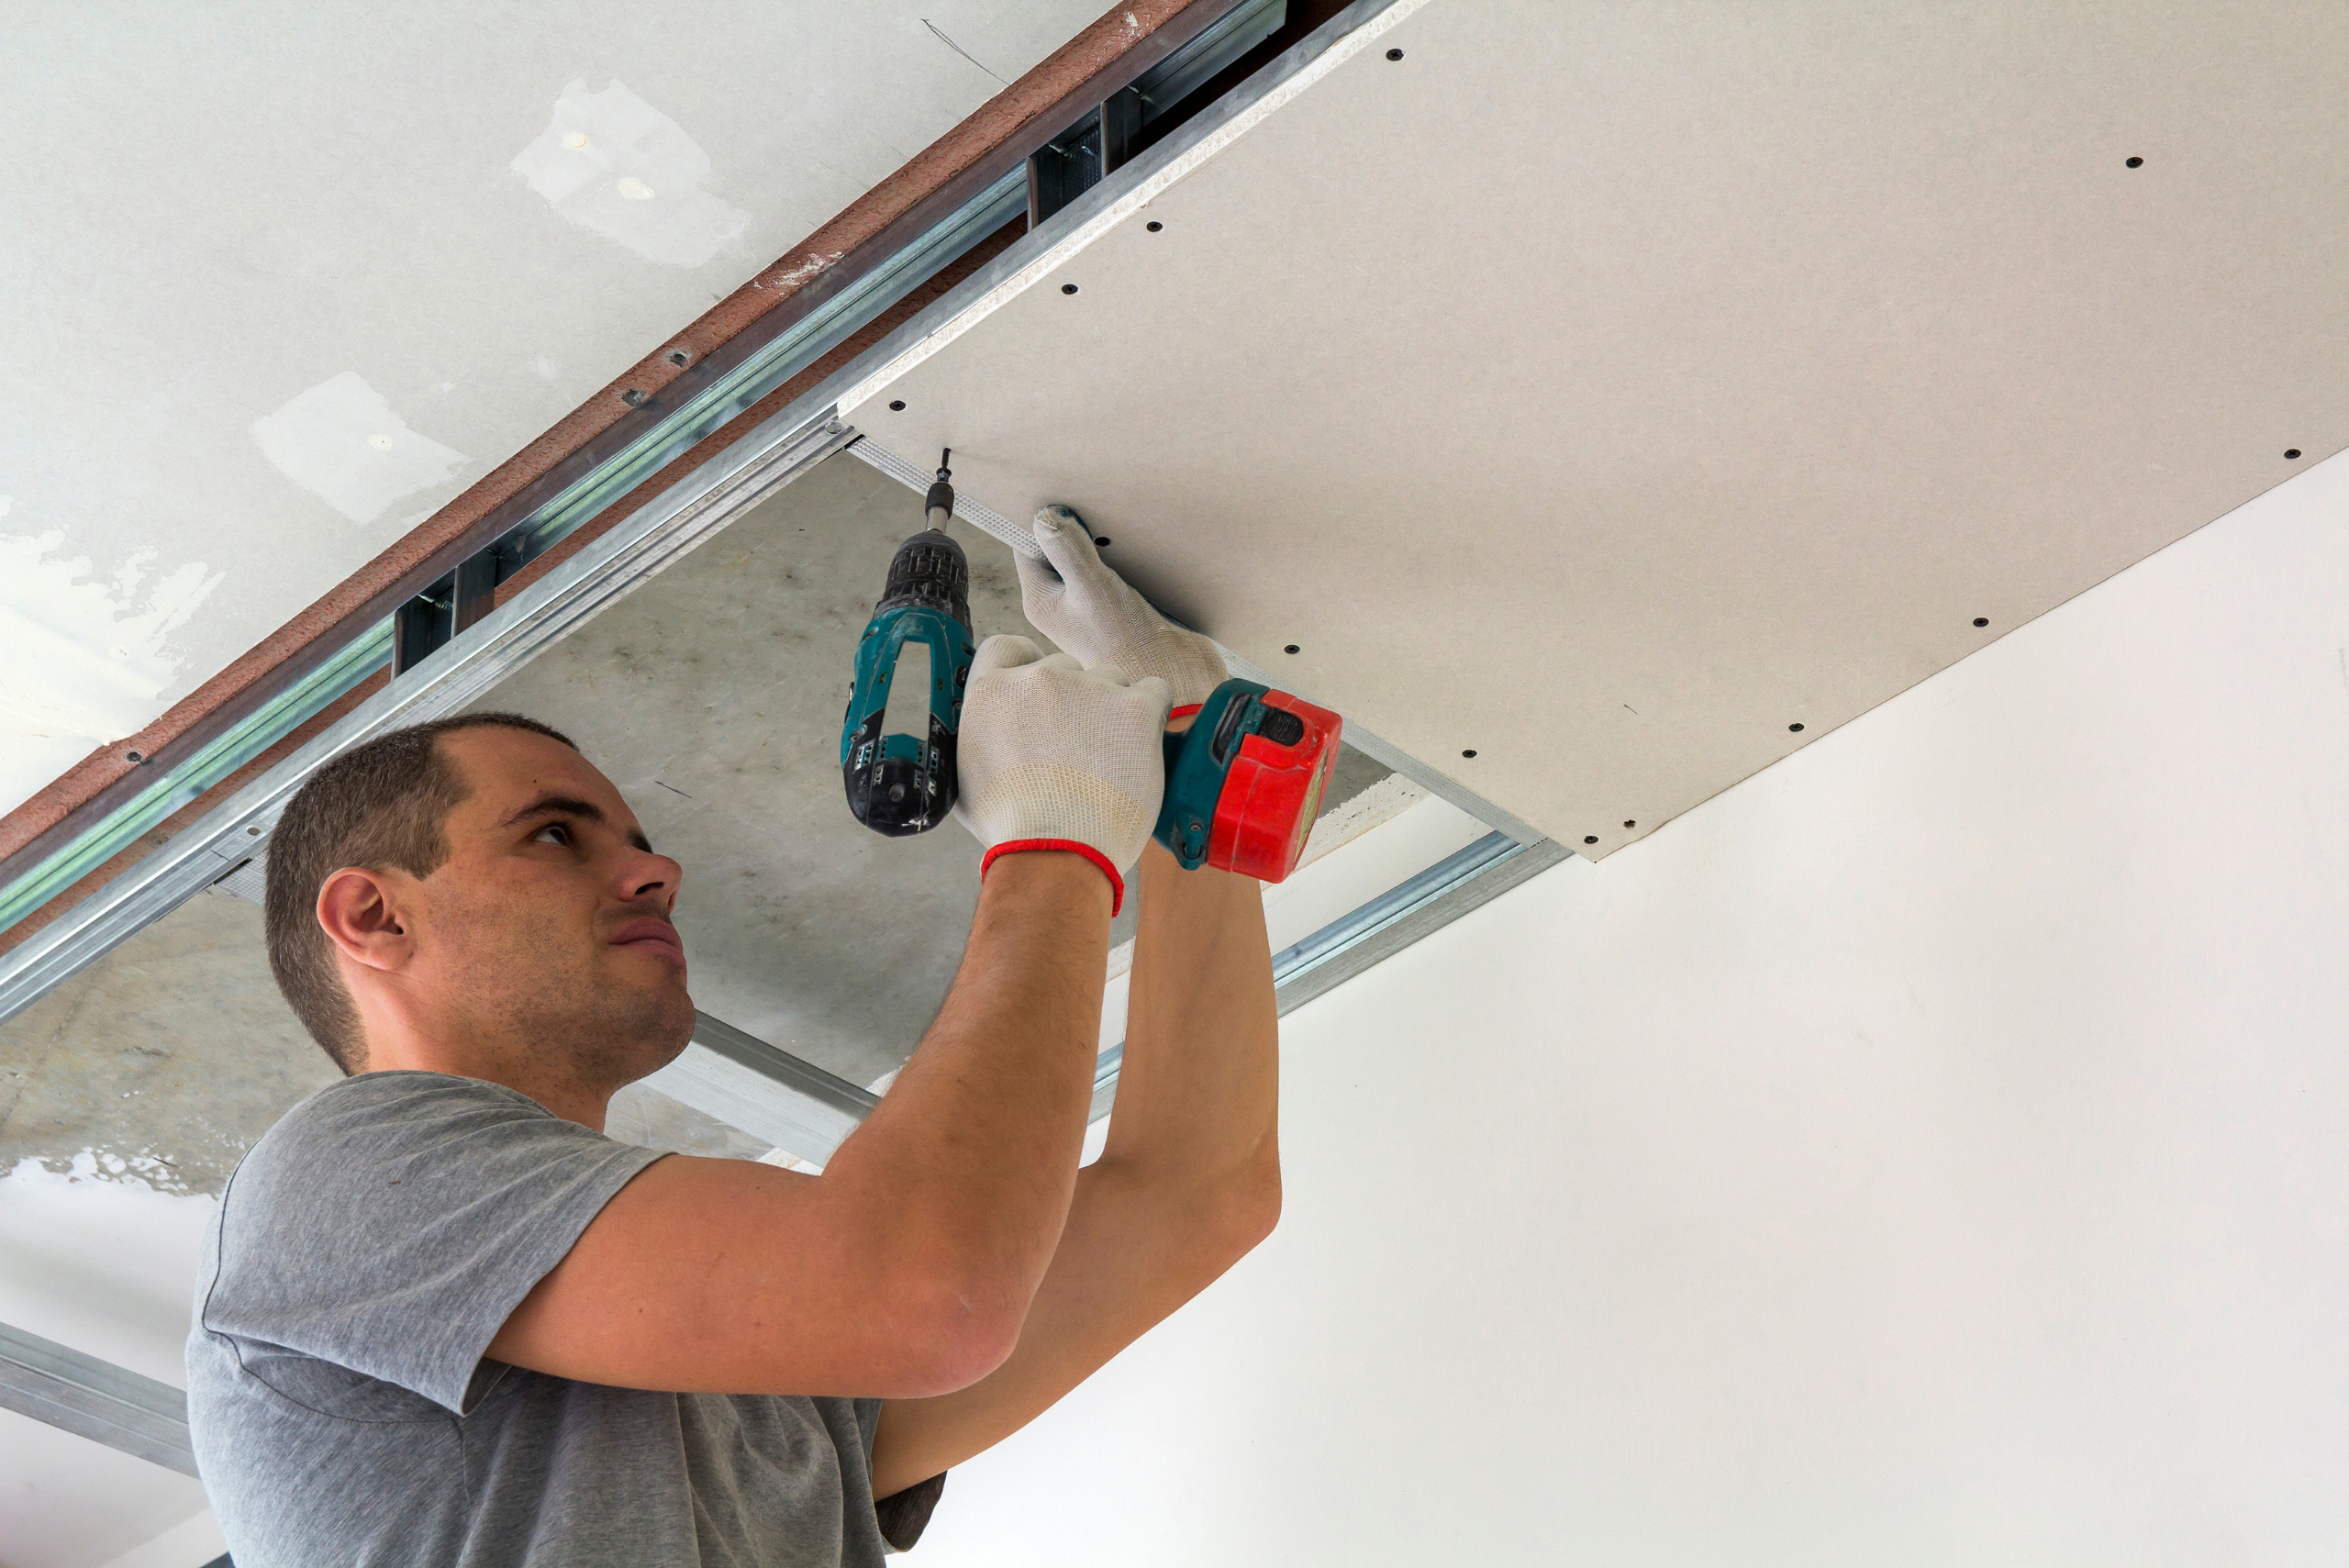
x=367 y=1250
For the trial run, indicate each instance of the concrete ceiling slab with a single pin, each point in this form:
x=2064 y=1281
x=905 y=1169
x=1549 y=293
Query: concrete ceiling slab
x=1606 y=400
x=712 y=697
x=288 y=278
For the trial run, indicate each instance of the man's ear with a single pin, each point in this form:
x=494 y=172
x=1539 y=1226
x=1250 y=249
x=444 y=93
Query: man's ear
x=366 y=915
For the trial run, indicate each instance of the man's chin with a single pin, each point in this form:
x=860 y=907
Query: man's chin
x=667 y=1038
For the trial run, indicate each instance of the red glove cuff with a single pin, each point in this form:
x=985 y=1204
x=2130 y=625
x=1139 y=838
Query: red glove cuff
x=1013 y=846
x=1184 y=711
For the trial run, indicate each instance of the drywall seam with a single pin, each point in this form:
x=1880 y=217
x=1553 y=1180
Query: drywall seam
x=1151 y=176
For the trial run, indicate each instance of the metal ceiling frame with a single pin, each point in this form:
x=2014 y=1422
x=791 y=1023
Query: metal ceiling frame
x=722 y=488
x=95 y=1399
x=699 y=388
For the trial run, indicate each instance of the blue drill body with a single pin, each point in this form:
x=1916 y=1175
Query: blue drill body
x=902 y=785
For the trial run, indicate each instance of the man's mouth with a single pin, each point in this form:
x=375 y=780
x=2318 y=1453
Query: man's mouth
x=652 y=934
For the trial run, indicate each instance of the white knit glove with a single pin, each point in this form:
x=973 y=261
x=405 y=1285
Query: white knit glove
x=1075 y=598
x=1055 y=756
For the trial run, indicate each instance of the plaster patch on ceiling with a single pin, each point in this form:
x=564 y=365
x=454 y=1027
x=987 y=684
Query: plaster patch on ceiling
x=83 y=658
x=617 y=166
x=343 y=441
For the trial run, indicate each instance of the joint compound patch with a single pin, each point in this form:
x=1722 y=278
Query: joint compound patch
x=611 y=162
x=342 y=441
x=83 y=660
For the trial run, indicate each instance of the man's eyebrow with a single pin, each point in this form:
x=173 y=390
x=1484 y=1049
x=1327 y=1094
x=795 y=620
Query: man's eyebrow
x=556 y=805
x=568 y=806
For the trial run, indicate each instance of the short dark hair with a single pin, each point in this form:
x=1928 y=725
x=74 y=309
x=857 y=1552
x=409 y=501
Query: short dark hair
x=377 y=806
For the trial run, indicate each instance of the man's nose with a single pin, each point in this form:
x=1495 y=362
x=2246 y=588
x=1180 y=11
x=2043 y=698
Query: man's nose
x=649 y=876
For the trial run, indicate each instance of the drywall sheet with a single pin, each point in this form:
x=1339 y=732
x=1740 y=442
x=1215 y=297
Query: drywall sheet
x=1603 y=401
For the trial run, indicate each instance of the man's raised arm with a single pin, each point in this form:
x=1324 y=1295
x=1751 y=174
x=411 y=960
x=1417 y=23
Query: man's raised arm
x=1190 y=1178
x=908 y=1266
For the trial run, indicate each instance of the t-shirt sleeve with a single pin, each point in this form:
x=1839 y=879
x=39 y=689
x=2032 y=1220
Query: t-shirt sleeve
x=392 y=1222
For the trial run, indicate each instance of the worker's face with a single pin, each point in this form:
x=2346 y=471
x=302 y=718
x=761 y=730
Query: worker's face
x=550 y=917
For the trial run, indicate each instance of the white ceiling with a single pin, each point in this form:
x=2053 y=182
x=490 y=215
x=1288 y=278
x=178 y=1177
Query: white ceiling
x=1609 y=400
x=283 y=279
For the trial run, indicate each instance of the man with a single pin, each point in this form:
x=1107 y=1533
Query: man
x=445 y=1320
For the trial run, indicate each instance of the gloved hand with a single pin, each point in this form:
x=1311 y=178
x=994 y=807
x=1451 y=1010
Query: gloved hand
x=1055 y=756
x=1075 y=598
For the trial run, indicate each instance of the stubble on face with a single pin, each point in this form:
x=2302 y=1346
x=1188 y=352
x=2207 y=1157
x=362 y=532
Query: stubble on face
x=545 y=985
x=525 y=948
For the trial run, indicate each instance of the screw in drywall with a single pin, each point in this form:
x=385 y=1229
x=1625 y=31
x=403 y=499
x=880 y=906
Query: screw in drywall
x=2291 y=454
x=1290 y=648
x=1394 y=54
x=1795 y=728
x=252 y=832
x=632 y=398
x=1470 y=752
x=897 y=406
x=1154 y=225
x=1068 y=288
x=1629 y=823
x=2136 y=163
x=1102 y=542
x=1981 y=620
x=1590 y=837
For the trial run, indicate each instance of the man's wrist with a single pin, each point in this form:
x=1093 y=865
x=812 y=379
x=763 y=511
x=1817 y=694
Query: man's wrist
x=1018 y=865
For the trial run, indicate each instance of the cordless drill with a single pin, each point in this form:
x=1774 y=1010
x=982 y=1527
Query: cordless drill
x=901 y=785
x=1244 y=784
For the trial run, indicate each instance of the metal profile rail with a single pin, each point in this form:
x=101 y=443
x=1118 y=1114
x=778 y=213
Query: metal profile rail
x=609 y=569
x=95 y=1399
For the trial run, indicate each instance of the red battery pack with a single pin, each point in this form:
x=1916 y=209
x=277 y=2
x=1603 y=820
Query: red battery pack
x=1273 y=793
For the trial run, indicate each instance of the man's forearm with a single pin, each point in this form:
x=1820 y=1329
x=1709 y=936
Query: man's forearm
x=1189 y=1181
x=1199 y=1085
x=973 y=1154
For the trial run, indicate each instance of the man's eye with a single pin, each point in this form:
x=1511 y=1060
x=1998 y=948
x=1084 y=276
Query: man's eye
x=560 y=834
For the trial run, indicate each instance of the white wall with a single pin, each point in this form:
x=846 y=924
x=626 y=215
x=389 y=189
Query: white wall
x=105 y=1266
x=1934 y=1150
